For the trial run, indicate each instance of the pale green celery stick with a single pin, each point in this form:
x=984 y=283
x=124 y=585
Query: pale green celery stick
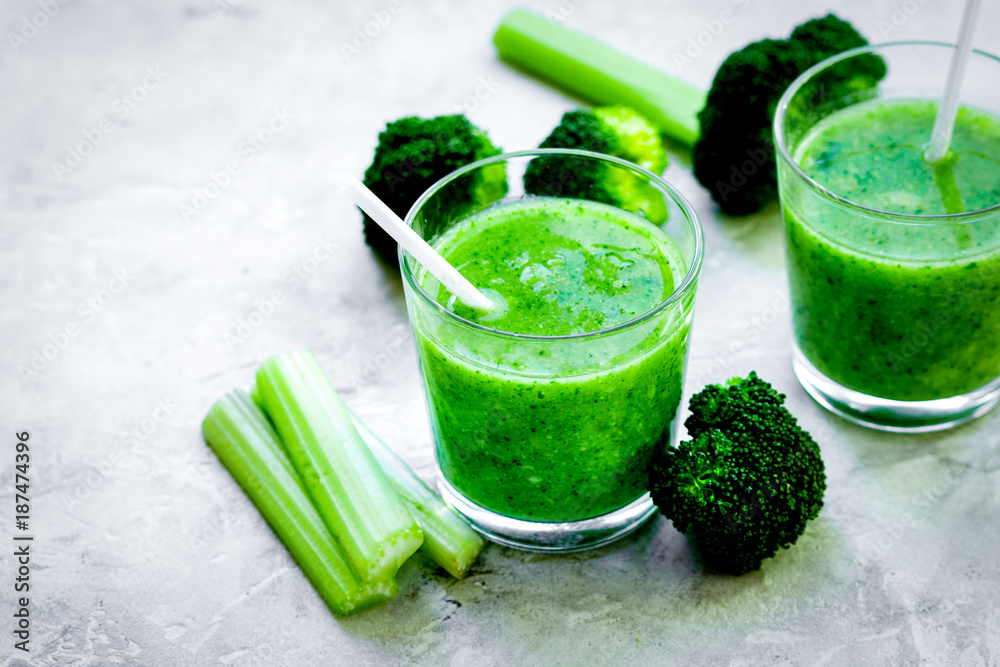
x=240 y=435
x=598 y=73
x=255 y=395
x=351 y=493
x=448 y=539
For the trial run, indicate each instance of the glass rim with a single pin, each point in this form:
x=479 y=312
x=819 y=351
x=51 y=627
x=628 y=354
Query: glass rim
x=690 y=277
x=890 y=217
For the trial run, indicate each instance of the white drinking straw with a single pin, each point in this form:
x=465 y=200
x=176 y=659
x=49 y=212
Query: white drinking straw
x=428 y=257
x=944 y=123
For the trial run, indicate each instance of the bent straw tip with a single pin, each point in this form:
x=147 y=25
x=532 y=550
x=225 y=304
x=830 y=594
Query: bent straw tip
x=422 y=251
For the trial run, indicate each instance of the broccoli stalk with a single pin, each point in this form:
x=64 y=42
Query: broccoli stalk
x=414 y=153
x=618 y=131
x=727 y=127
x=747 y=482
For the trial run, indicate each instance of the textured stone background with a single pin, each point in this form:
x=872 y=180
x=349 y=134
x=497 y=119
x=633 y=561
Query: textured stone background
x=147 y=552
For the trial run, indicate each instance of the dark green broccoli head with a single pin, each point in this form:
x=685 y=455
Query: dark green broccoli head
x=412 y=154
x=617 y=131
x=827 y=36
x=734 y=156
x=747 y=482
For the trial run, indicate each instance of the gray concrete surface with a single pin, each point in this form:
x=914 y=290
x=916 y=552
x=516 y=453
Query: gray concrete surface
x=147 y=553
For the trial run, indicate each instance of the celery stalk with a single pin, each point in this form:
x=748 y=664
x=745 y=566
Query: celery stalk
x=448 y=539
x=241 y=436
x=255 y=397
x=351 y=493
x=598 y=73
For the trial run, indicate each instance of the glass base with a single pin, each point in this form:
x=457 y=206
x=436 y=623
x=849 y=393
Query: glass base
x=549 y=537
x=888 y=415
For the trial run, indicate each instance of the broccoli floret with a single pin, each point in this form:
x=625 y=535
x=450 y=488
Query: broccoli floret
x=748 y=480
x=734 y=156
x=412 y=154
x=827 y=36
x=615 y=130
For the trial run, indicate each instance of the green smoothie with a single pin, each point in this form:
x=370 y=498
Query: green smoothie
x=555 y=429
x=908 y=312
